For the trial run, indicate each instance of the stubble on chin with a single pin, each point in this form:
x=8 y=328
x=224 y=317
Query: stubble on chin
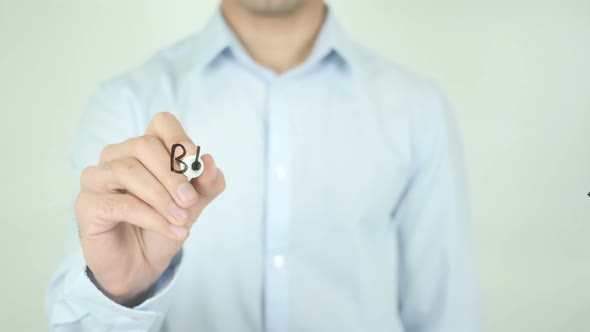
x=272 y=7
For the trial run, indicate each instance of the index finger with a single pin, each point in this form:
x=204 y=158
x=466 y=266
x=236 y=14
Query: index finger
x=168 y=129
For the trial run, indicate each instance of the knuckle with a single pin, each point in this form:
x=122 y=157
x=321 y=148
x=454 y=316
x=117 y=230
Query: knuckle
x=122 y=170
x=106 y=152
x=145 y=144
x=106 y=206
x=162 y=117
x=86 y=175
x=126 y=165
x=107 y=166
x=124 y=205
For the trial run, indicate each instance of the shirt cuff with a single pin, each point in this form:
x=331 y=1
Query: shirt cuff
x=80 y=292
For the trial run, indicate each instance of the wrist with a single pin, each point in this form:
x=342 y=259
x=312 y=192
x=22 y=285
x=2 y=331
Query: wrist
x=125 y=294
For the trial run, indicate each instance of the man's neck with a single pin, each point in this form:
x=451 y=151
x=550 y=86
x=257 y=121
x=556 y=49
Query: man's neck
x=279 y=42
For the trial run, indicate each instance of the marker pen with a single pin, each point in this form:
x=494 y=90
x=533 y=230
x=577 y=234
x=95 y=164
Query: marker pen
x=195 y=165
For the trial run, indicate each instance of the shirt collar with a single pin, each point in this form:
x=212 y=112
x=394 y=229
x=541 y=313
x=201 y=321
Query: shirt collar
x=217 y=37
x=332 y=39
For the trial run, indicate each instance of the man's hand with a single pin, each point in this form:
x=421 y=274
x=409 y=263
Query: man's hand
x=134 y=214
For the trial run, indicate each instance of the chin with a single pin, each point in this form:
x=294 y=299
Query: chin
x=272 y=7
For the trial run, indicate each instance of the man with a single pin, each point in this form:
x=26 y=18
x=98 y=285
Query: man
x=344 y=208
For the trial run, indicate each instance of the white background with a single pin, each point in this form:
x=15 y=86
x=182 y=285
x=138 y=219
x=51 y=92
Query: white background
x=517 y=72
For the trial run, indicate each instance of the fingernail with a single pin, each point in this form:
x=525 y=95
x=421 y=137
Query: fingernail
x=178 y=231
x=186 y=192
x=179 y=213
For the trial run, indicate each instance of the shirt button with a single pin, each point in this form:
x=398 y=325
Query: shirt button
x=278 y=261
x=280 y=172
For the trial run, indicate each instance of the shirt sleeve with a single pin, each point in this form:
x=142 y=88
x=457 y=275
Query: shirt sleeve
x=76 y=304
x=437 y=279
x=73 y=302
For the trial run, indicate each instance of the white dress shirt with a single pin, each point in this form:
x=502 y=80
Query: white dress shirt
x=345 y=207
